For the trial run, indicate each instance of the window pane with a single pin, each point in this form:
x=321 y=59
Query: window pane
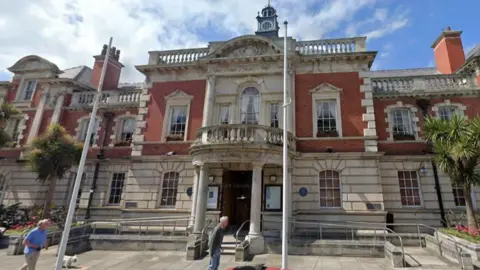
x=224 y=114
x=326 y=116
x=169 y=189
x=29 y=89
x=250 y=106
x=446 y=112
x=178 y=120
x=329 y=189
x=402 y=122
x=116 y=188
x=409 y=188
x=458 y=195
x=275 y=115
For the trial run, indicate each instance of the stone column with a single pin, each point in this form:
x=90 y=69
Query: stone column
x=208 y=104
x=201 y=198
x=194 y=196
x=255 y=235
x=57 y=112
x=37 y=120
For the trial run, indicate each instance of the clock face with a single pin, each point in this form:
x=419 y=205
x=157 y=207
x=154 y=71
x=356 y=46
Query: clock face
x=268 y=25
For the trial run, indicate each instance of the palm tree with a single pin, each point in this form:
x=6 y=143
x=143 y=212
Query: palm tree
x=6 y=112
x=51 y=156
x=456 y=144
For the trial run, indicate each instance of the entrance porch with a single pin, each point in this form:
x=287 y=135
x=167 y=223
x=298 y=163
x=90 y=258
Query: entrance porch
x=241 y=191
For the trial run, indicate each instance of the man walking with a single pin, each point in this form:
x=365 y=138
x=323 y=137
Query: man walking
x=34 y=242
x=215 y=243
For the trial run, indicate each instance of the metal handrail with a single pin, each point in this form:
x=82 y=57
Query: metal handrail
x=458 y=249
x=140 y=223
x=201 y=236
x=238 y=231
x=148 y=218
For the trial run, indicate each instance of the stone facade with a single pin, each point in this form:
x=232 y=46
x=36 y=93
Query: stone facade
x=197 y=126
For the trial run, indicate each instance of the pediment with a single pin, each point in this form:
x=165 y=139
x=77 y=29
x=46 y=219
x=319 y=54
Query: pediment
x=33 y=63
x=326 y=88
x=246 y=46
x=178 y=95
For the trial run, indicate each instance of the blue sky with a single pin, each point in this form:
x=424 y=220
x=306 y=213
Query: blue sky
x=70 y=32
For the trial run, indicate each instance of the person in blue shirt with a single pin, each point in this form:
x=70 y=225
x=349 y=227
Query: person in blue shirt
x=34 y=242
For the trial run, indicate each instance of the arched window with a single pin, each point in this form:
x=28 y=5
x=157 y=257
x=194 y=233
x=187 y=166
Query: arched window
x=250 y=106
x=169 y=189
x=329 y=187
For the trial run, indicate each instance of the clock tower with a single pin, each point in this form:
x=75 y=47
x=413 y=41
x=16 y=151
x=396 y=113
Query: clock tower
x=267 y=22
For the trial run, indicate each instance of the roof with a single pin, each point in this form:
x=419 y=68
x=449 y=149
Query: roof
x=80 y=74
x=475 y=52
x=130 y=85
x=403 y=72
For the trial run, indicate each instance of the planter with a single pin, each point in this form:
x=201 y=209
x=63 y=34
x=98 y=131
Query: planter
x=175 y=138
x=471 y=248
x=4 y=240
x=403 y=137
x=122 y=143
x=327 y=134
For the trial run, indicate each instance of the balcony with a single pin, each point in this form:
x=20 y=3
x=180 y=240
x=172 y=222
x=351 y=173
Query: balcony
x=331 y=46
x=240 y=141
x=419 y=84
x=177 y=56
x=109 y=98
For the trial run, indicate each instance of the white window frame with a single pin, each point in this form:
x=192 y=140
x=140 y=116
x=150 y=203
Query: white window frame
x=260 y=104
x=419 y=187
x=23 y=88
x=122 y=127
x=410 y=130
x=219 y=113
x=176 y=99
x=340 y=189
x=280 y=114
x=414 y=118
x=326 y=92
x=110 y=186
x=160 y=193
x=459 y=108
x=82 y=127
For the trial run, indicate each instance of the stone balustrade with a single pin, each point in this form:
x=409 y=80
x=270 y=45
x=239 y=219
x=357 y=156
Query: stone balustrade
x=177 y=56
x=242 y=134
x=426 y=83
x=80 y=99
x=331 y=46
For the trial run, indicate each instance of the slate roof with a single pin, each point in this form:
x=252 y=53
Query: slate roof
x=475 y=52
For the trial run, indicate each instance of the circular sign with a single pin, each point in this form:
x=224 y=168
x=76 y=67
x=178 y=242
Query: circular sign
x=303 y=191
x=189 y=191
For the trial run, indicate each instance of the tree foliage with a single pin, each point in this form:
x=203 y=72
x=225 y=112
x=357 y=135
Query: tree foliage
x=53 y=153
x=7 y=111
x=51 y=156
x=456 y=144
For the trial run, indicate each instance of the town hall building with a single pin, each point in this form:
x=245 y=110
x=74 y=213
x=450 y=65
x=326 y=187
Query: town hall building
x=202 y=136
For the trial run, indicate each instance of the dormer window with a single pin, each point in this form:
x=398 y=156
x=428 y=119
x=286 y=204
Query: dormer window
x=28 y=90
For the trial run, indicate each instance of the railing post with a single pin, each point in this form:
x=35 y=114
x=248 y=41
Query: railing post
x=419 y=237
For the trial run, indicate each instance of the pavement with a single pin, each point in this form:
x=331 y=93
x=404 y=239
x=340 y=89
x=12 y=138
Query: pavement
x=172 y=260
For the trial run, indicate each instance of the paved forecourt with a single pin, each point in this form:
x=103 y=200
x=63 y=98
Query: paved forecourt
x=171 y=260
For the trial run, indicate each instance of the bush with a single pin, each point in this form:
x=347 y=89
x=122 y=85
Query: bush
x=463 y=232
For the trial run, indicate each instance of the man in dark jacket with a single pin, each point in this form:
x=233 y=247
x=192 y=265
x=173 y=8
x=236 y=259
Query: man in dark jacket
x=215 y=243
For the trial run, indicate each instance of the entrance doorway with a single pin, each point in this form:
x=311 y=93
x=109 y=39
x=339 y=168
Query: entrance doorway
x=237 y=190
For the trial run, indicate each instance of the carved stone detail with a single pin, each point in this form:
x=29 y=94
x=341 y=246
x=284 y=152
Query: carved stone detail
x=249 y=50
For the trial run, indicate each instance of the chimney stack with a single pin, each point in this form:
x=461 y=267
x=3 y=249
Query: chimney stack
x=114 y=68
x=448 y=51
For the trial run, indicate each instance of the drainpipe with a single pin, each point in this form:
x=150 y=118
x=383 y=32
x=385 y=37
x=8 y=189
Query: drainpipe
x=101 y=156
x=424 y=104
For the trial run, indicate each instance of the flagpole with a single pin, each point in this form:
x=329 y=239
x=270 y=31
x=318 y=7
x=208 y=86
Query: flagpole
x=81 y=165
x=286 y=192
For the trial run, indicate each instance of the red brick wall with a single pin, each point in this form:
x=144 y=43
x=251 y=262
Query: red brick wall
x=449 y=55
x=320 y=146
x=351 y=110
x=112 y=75
x=12 y=93
x=157 y=106
x=163 y=148
x=350 y=99
x=47 y=116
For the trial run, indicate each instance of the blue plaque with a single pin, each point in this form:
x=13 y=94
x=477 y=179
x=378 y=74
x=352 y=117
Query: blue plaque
x=303 y=191
x=189 y=192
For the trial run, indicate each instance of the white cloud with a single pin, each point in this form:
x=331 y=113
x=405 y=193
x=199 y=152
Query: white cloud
x=380 y=24
x=70 y=32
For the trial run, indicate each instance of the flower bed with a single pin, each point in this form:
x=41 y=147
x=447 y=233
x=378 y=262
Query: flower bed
x=463 y=232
